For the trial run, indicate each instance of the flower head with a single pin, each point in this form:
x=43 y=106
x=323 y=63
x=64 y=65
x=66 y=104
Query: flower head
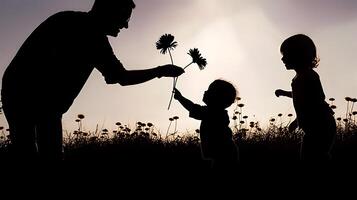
x=166 y=43
x=197 y=58
x=80 y=116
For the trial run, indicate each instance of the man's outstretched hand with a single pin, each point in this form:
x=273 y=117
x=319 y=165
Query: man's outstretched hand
x=169 y=71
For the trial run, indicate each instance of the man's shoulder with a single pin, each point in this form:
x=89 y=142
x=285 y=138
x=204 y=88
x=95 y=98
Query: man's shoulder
x=70 y=15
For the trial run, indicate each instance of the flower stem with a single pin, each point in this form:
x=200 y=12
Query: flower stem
x=188 y=65
x=173 y=83
x=176 y=79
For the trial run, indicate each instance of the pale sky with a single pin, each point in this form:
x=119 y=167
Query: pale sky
x=239 y=38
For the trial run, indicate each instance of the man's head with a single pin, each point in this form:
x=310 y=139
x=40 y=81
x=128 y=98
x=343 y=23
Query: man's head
x=113 y=15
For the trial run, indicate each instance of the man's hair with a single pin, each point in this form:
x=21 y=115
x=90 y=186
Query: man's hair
x=112 y=4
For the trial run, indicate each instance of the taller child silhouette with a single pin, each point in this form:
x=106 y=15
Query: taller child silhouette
x=314 y=116
x=51 y=67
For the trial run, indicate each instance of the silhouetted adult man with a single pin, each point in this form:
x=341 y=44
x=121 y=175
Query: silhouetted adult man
x=51 y=67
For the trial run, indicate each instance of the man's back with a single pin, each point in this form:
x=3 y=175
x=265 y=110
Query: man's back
x=55 y=61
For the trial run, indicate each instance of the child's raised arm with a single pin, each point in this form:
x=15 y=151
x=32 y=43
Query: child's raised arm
x=189 y=105
x=280 y=92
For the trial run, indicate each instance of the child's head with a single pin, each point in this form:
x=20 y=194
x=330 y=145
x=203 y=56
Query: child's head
x=299 y=51
x=220 y=94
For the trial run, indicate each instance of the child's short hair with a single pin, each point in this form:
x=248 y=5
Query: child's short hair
x=225 y=92
x=302 y=48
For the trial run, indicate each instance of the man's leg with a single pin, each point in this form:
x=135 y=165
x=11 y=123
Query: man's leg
x=22 y=134
x=49 y=131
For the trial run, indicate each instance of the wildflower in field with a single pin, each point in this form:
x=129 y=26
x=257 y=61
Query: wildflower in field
x=105 y=131
x=80 y=116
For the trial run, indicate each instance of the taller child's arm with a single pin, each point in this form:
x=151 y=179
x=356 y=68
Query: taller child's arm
x=280 y=92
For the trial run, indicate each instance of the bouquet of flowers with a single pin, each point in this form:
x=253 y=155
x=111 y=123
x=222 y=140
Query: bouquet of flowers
x=166 y=44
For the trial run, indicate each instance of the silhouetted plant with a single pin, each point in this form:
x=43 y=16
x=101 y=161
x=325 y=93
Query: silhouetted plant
x=165 y=44
x=197 y=59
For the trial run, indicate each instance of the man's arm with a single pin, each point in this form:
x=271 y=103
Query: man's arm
x=132 y=77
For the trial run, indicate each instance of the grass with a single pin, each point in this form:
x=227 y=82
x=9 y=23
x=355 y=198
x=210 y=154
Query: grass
x=146 y=148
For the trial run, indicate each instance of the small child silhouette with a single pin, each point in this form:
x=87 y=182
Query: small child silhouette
x=217 y=144
x=314 y=116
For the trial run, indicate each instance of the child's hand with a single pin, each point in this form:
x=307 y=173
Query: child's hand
x=177 y=94
x=279 y=92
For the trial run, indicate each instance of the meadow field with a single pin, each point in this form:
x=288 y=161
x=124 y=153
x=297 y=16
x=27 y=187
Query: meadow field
x=148 y=148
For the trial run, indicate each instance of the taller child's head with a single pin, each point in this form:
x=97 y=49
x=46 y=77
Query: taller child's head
x=220 y=94
x=299 y=51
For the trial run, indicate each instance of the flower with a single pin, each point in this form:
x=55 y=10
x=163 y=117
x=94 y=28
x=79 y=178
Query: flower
x=166 y=43
x=197 y=58
x=80 y=116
